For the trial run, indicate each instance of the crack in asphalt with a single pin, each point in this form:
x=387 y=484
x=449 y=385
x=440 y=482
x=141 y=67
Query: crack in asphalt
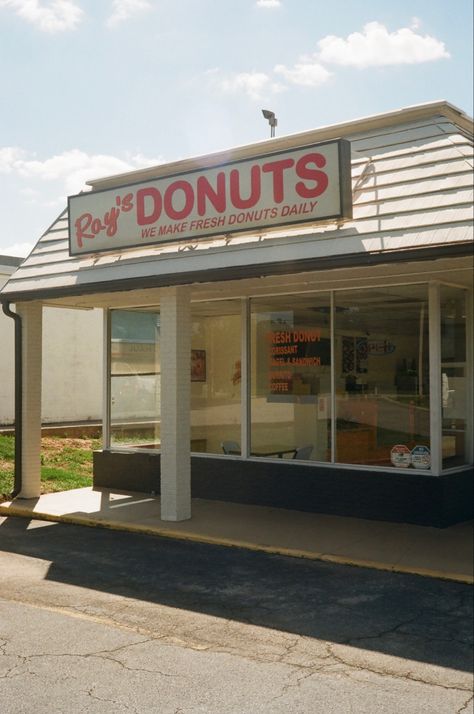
x=465 y=705
x=303 y=656
x=327 y=661
x=410 y=677
x=382 y=633
x=397 y=629
x=90 y=693
x=292 y=685
x=103 y=654
x=22 y=663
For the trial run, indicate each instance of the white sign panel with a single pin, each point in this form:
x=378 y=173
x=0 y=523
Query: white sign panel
x=311 y=183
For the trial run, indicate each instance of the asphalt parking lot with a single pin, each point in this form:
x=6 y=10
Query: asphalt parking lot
x=336 y=625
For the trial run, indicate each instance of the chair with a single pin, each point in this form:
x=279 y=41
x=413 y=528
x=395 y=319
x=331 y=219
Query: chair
x=230 y=447
x=303 y=452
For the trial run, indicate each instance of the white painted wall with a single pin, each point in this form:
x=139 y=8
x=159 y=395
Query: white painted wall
x=72 y=364
x=7 y=356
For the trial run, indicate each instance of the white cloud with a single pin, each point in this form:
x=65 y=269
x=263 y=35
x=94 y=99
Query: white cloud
x=30 y=193
x=376 y=46
x=125 y=9
x=71 y=169
x=268 y=3
x=306 y=73
x=38 y=187
x=251 y=83
x=255 y=84
x=21 y=250
x=53 y=16
x=9 y=155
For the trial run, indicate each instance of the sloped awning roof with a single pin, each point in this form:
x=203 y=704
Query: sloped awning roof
x=412 y=195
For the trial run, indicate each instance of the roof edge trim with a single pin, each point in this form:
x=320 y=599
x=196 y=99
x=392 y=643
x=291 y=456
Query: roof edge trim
x=331 y=131
x=244 y=271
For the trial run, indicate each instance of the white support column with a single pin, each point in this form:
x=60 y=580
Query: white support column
x=175 y=344
x=32 y=333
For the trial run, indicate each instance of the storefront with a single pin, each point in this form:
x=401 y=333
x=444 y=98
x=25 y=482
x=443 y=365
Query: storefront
x=287 y=324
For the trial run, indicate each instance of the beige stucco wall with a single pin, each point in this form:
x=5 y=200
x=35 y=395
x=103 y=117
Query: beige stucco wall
x=6 y=359
x=72 y=364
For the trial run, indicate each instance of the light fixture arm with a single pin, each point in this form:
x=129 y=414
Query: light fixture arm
x=272 y=120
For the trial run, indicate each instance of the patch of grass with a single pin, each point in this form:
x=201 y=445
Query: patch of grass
x=66 y=463
x=56 y=479
x=7 y=447
x=7 y=455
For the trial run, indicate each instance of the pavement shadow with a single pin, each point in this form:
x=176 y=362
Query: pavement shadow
x=402 y=615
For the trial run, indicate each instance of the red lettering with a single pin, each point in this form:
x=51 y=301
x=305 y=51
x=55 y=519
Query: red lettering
x=82 y=224
x=154 y=210
x=205 y=190
x=127 y=202
x=305 y=172
x=111 y=221
x=255 y=188
x=187 y=189
x=88 y=227
x=96 y=226
x=277 y=168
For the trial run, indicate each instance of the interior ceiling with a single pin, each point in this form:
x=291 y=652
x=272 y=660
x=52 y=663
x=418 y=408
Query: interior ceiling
x=448 y=270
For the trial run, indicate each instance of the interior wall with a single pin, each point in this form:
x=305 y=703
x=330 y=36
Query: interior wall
x=215 y=381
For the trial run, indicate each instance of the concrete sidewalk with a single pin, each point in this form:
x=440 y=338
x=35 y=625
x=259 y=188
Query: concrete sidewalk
x=440 y=553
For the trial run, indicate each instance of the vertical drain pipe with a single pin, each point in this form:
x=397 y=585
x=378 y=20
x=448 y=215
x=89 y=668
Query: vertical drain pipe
x=18 y=396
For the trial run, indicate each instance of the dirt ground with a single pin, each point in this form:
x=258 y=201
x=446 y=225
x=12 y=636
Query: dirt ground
x=60 y=443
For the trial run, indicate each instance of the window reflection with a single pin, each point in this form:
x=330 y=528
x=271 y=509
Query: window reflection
x=454 y=388
x=382 y=377
x=135 y=378
x=291 y=377
x=216 y=376
x=379 y=382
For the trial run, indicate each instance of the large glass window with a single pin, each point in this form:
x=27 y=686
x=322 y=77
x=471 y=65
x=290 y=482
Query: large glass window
x=216 y=376
x=382 y=377
x=335 y=378
x=454 y=387
x=135 y=378
x=291 y=377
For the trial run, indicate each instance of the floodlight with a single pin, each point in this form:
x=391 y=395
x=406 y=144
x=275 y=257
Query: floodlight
x=272 y=120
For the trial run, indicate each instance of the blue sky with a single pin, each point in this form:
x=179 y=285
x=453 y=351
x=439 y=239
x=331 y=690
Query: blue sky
x=94 y=87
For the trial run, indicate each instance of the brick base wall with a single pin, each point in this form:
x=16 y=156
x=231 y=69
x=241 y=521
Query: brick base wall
x=410 y=497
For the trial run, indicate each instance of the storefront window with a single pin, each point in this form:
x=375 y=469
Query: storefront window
x=454 y=387
x=382 y=377
x=291 y=377
x=216 y=377
x=363 y=353
x=135 y=378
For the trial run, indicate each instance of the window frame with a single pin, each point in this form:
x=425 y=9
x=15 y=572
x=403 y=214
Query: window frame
x=434 y=331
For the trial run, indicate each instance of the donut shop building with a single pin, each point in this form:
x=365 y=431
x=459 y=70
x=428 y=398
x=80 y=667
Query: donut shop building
x=288 y=323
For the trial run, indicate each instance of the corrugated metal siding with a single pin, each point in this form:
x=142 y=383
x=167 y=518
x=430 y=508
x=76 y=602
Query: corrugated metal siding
x=412 y=187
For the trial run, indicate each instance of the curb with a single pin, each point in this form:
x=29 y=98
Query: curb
x=14 y=510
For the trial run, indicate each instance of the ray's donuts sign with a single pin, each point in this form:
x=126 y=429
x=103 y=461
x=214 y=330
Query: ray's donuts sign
x=308 y=184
